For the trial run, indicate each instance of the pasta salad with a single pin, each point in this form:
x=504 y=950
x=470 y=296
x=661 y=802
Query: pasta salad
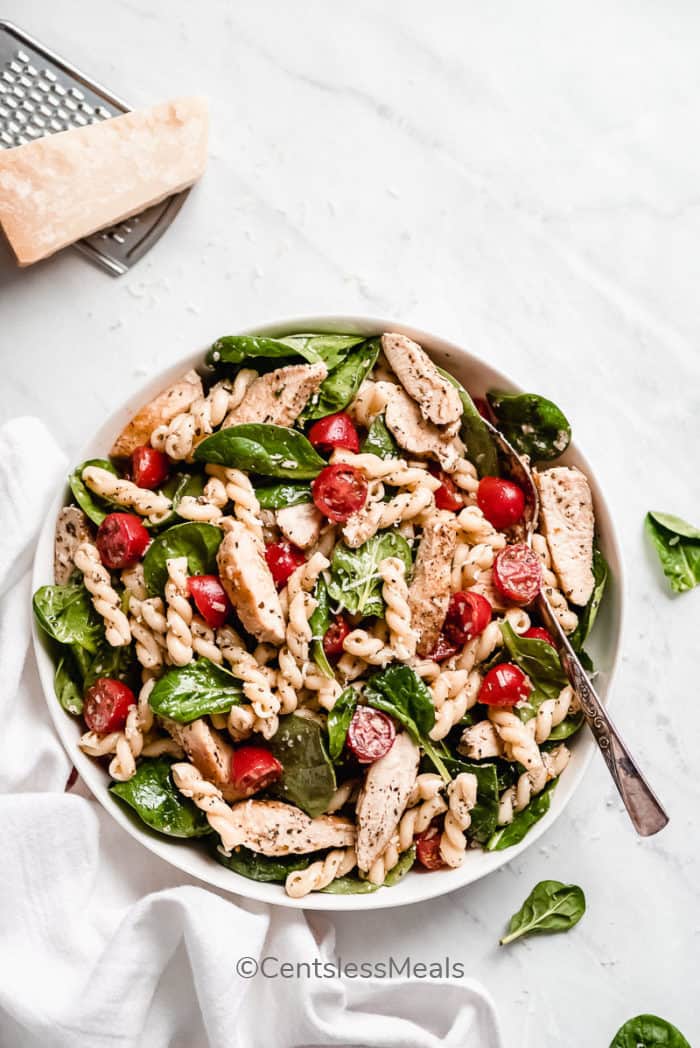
x=293 y=608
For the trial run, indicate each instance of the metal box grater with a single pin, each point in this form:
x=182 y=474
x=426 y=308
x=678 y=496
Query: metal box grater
x=40 y=94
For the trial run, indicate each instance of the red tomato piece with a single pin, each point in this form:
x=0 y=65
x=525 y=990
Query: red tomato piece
x=504 y=685
x=334 y=431
x=339 y=491
x=121 y=540
x=253 y=768
x=282 y=559
x=517 y=573
x=371 y=734
x=482 y=406
x=539 y=633
x=501 y=501
x=210 y=598
x=468 y=615
x=443 y=650
x=107 y=703
x=335 y=635
x=447 y=496
x=149 y=467
x=428 y=848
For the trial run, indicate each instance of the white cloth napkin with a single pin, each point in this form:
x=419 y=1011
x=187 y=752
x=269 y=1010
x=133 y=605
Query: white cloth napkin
x=101 y=943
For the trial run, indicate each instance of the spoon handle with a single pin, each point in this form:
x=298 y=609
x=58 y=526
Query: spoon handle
x=643 y=807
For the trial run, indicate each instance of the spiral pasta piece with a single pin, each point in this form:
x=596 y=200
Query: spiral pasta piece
x=362 y=645
x=206 y=508
x=479 y=648
x=208 y=799
x=465 y=476
x=319 y=875
x=517 y=797
x=402 y=637
x=326 y=689
x=567 y=619
x=240 y=492
x=370 y=400
x=179 y=437
x=384 y=862
x=552 y=712
x=395 y=472
x=204 y=640
x=105 y=599
x=469 y=564
x=519 y=744
x=453 y=693
x=301 y=605
x=256 y=686
x=476 y=529
x=178 y=638
x=344 y=794
x=461 y=794
x=124 y=492
x=424 y=804
x=148 y=628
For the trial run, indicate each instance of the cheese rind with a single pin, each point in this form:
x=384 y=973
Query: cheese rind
x=66 y=186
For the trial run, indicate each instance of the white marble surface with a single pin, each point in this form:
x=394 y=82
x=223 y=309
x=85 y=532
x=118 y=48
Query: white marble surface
x=523 y=178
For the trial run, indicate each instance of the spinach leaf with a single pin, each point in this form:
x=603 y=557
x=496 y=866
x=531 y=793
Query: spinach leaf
x=175 y=488
x=332 y=349
x=273 y=451
x=185 y=693
x=540 y=661
x=513 y=833
x=66 y=614
x=533 y=425
x=648 y=1031
x=84 y=658
x=234 y=349
x=353 y=885
x=678 y=546
x=67 y=683
x=379 y=441
x=257 y=867
x=308 y=780
x=340 y=387
x=588 y=616
x=568 y=727
x=339 y=721
x=481 y=448
x=355 y=583
x=550 y=907
x=120 y=663
x=485 y=812
x=398 y=872
x=157 y=801
x=319 y=621
x=93 y=506
x=401 y=693
x=278 y=496
x=197 y=542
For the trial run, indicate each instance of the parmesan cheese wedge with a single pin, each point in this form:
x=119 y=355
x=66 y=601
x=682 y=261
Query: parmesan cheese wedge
x=66 y=186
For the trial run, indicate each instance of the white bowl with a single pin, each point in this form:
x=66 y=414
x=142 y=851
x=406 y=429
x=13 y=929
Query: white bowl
x=477 y=377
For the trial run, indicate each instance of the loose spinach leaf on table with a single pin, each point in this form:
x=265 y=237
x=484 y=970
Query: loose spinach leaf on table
x=401 y=693
x=93 y=506
x=67 y=683
x=550 y=907
x=515 y=831
x=198 y=542
x=355 y=583
x=379 y=441
x=532 y=424
x=153 y=795
x=273 y=451
x=66 y=614
x=484 y=814
x=308 y=779
x=677 y=544
x=351 y=884
x=319 y=621
x=185 y=693
x=279 y=496
x=588 y=616
x=257 y=867
x=339 y=721
x=540 y=661
x=481 y=448
x=339 y=388
x=648 y=1031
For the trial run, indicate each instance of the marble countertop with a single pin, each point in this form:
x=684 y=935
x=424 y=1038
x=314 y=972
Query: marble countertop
x=524 y=179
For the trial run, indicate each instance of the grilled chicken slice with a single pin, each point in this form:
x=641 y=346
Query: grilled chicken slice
x=300 y=524
x=247 y=580
x=417 y=436
x=72 y=528
x=278 y=397
x=480 y=740
x=383 y=797
x=158 y=412
x=276 y=828
x=208 y=750
x=429 y=592
x=566 y=513
x=437 y=398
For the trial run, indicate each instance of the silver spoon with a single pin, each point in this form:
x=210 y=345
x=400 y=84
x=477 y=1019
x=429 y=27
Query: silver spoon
x=643 y=807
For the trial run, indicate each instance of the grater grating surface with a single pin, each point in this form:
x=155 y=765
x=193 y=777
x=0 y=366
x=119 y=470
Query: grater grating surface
x=40 y=94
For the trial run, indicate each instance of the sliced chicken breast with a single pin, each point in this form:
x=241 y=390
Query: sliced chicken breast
x=276 y=828
x=208 y=750
x=417 y=436
x=278 y=397
x=429 y=592
x=247 y=580
x=72 y=528
x=438 y=400
x=480 y=740
x=566 y=514
x=383 y=798
x=300 y=524
x=158 y=412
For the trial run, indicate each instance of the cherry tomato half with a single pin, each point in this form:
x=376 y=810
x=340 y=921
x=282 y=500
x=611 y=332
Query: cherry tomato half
x=468 y=615
x=428 y=848
x=335 y=635
x=517 y=573
x=501 y=501
x=539 y=633
x=253 y=768
x=443 y=650
x=504 y=685
x=107 y=703
x=121 y=540
x=482 y=406
x=371 y=734
x=282 y=559
x=210 y=598
x=334 y=431
x=339 y=491
x=447 y=496
x=149 y=467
